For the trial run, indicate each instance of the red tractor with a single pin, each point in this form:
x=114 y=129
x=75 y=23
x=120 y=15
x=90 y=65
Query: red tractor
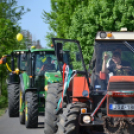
x=101 y=101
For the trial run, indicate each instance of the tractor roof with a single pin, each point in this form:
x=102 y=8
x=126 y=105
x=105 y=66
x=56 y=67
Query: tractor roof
x=20 y=50
x=115 y=36
x=33 y=50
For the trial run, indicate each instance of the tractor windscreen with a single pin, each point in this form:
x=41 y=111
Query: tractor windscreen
x=45 y=61
x=71 y=54
x=118 y=59
x=23 y=62
x=75 y=60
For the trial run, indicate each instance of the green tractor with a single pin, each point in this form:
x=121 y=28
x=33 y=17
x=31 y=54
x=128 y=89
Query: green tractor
x=13 y=79
x=41 y=70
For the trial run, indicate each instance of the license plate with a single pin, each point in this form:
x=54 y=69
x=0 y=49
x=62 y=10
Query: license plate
x=121 y=106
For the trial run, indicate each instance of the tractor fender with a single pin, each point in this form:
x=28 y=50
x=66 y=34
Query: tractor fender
x=13 y=79
x=31 y=89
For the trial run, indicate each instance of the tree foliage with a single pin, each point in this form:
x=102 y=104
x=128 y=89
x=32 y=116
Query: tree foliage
x=10 y=14
x=81 y=19
x=48 y=38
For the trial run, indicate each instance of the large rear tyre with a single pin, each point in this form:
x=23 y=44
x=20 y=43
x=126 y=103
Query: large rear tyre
x=13 y=100
x=51 y=114
x=31 y=109
x=68 y=123
x=21 y=113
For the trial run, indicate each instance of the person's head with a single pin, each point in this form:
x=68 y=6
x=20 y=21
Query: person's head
x=117 y=49
x=49 y=60
x=116 y=57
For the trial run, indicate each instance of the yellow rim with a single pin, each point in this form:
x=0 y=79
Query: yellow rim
x=20 y=102
x=26 y=111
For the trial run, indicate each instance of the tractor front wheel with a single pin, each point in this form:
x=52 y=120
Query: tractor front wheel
x=31 y=109
x=68 y=123
x=51 y=114
x=13 y=100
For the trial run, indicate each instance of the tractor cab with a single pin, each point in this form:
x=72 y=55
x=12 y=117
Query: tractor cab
x=42 y=67
x=112 y=58
x=16 y=66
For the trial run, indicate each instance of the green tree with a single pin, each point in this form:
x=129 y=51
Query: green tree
x=81 y=19
x=10 y=14
x=59 y=19
x=48 y=38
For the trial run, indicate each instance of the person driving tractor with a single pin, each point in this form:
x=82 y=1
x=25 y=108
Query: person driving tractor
x=118 y=67
x=48 y=65
x=110 y=61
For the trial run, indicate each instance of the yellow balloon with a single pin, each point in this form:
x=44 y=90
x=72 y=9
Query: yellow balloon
x=19 y=36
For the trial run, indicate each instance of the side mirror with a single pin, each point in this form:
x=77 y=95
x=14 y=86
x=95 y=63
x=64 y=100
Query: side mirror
x=78 y=56
x=59 y=51
x=3 y=60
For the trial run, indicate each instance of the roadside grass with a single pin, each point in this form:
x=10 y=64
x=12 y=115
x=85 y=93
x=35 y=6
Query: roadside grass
x=3 y=104
x=2 y=111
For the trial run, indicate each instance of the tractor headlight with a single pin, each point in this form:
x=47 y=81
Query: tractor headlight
x=22 y=52
x=86 y=119
x=103 y=35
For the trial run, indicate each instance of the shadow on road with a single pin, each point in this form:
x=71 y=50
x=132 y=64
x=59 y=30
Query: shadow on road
x=41 y=114
x=40 y=125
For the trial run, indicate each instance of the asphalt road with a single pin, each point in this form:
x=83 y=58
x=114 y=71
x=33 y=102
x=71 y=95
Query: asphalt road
x=13 y=126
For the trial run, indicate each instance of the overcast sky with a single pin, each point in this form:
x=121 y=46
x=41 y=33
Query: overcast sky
x=32 y=21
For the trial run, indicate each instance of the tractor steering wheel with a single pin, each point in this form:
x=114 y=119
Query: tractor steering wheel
x=124 y=71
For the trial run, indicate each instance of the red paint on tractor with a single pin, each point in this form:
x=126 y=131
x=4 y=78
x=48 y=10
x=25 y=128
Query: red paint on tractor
x=121 y=79
x=79 y=84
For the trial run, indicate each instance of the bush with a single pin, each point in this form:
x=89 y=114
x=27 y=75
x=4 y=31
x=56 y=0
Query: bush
x=4 y=90
x=3 y=101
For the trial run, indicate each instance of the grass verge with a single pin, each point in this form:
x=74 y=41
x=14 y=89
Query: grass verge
x=3 y=104
x=2 y=111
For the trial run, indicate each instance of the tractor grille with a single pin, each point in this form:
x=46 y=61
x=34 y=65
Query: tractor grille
x=120 y=100
x=121 y=86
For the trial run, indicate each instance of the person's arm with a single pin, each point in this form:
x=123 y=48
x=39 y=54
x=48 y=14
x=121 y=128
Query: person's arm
x=104 y=68
x=125 y=65
x=42 y=69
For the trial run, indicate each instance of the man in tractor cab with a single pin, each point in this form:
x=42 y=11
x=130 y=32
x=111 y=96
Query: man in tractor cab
x=118 y=67
x=110 y=61
x=47 y=66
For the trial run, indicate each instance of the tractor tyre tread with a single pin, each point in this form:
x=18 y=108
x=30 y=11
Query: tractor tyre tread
x=69 y=118
x=31 y=98
x=53 y=94
x=13 y=100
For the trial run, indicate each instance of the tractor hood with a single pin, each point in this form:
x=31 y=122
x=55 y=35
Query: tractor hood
x=52 y=77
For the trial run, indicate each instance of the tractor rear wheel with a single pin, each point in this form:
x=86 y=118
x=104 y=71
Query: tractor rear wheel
x=51 y=114
x=31 y=109
x=13 y=100
x=21 y=113
x=68 y=123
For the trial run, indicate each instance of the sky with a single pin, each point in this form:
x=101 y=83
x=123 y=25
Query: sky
x=32 y=21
